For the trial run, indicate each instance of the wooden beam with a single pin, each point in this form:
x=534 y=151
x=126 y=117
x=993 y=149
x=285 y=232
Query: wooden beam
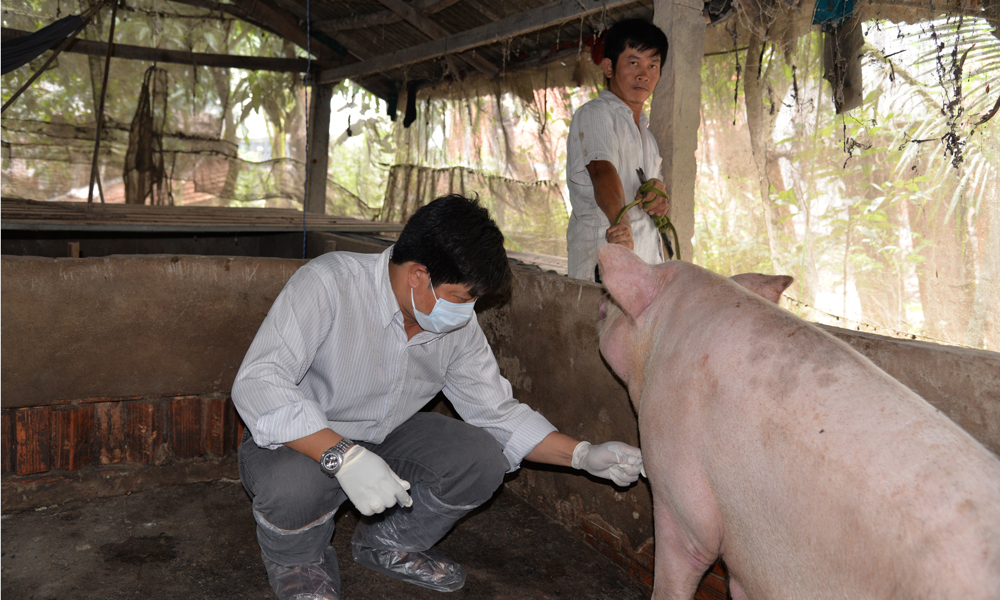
x=200 y=59
x=285 y=24
x=333 y=26
x=317 y=161
x=267 y=19
x=520 y=24
x=435 y=32
x=383 y=17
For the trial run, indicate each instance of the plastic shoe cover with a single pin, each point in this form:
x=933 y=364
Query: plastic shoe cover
x=430 y=569
x=314 y=581
x=415 y=528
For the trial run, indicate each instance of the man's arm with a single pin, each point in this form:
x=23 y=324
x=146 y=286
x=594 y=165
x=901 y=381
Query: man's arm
x=556 y=449
x=616 y=461
x=314 y=445
x=368 y=481
x=610 y=196
x=265 y=393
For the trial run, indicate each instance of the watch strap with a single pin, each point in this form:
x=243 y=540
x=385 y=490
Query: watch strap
x=342 y=445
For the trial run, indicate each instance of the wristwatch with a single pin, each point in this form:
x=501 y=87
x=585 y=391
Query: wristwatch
x=333 y=458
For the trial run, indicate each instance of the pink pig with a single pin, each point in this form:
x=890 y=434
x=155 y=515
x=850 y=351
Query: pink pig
x=768 y=442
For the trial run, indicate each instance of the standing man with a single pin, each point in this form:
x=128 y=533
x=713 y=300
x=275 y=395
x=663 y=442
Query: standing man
x=330 y=389
x=609 y=140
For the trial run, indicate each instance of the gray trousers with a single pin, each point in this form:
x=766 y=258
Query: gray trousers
x=452 y=467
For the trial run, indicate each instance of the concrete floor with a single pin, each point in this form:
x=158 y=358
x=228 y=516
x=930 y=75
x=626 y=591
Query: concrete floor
x=197 y=541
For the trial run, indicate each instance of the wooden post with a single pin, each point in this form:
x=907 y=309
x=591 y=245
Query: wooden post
x=675 y=110
x=319 y=146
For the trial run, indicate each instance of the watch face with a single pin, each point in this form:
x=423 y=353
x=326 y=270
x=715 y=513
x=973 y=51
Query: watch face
x=331 y=462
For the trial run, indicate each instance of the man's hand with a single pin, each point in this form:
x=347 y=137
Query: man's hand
x=610 y=198
x=369 y=482
x=660 y=205
x=616 y=461
x=621 y=234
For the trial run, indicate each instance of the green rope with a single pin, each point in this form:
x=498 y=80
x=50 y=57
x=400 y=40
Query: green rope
x=662 y=222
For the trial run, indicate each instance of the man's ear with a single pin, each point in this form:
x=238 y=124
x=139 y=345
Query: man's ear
x=608 y=67
x=415 y=275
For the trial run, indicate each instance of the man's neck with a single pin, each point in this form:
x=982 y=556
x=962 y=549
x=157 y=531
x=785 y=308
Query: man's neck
x=636 y=108
x=401 y=291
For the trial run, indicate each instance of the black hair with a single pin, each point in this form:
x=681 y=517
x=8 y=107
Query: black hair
x=457 y=241
x=634 y=33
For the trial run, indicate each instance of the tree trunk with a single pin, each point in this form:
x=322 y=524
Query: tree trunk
x=984 y=322
x=946 y=289
x=760 y=122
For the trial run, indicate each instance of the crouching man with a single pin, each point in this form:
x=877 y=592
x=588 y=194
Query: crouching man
x=330 y=391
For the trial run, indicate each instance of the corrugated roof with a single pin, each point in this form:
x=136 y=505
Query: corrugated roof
x=373 y=29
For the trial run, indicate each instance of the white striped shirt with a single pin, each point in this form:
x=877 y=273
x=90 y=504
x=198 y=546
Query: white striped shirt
x=332 y=353
x=605 y=129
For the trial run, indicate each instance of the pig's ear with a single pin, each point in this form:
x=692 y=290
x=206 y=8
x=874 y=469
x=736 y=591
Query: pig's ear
x=632 y=283
x=768 y=286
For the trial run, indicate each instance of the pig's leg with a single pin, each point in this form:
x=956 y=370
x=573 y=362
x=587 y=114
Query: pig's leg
x=736 y=590
x=679 y=562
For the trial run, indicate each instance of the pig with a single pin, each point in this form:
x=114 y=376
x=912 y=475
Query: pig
x=777 y=447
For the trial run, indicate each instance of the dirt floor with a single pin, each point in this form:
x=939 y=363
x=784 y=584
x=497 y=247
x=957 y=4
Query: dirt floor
x=197 y=541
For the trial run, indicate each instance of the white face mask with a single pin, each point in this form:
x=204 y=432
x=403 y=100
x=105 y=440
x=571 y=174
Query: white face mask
x=445 y=316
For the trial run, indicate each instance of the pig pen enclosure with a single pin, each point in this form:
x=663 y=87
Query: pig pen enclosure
x=126 y=316
x=119 y=433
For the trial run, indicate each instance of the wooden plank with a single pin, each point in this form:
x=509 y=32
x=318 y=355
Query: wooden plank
x=714 y=584
x=185 y=426
x=643 y=576
x=520 y=24
x=110 y=431
x=32 y=440
x=73 y=437
x=7 y=441
x=240 y=431
x=214 y=431
x=233 y=428
x=268 y=19
x=144 y=228
x=201 y=59
x=145 y=431
x=376 y=19
x=434 y=31
x=33 y=215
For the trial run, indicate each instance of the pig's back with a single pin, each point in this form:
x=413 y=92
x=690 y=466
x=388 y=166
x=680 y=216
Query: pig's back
x=834 y=480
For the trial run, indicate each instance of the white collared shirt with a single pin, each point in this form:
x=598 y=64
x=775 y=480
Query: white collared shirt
x=332 y=353
x=605 y=129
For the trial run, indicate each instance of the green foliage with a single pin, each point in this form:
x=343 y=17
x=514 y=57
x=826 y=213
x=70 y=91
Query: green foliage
x=885 y=200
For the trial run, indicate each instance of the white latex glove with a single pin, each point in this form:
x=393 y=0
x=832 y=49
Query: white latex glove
x=369 y=482
x=616 y=461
